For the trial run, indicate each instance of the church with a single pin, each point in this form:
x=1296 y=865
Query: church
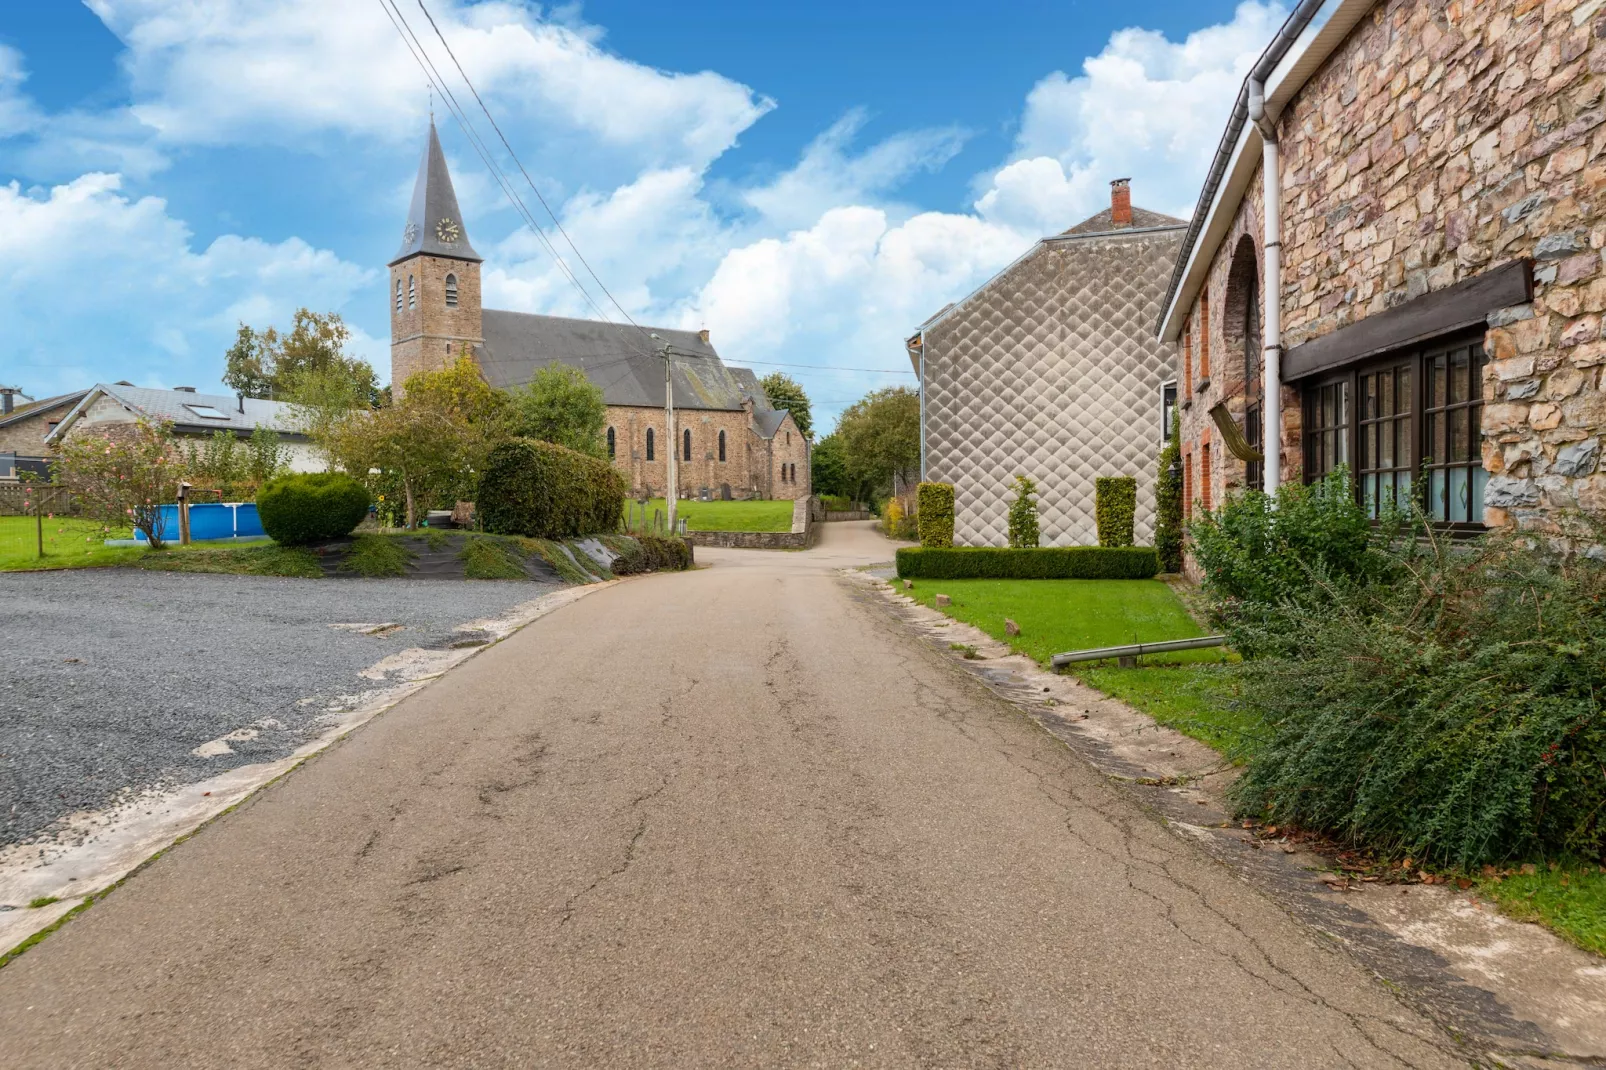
x=731 y=441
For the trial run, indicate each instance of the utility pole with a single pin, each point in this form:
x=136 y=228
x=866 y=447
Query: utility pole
x=672 y=492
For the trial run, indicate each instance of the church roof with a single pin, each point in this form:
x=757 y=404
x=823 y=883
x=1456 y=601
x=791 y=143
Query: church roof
x=615 y=356
x=434 y=215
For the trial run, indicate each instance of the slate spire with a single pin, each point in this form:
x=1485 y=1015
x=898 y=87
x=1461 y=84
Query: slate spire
x=434 y=223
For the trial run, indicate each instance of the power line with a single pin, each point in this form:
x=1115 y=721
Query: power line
x=555 y=222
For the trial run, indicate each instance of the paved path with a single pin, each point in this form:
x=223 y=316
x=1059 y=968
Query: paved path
x=726 y=818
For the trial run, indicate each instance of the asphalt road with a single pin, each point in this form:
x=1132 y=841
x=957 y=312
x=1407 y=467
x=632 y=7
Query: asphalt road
x=725 y=818
x=109 y=678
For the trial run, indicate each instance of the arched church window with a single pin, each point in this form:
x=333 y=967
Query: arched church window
x=398 y=293
x=412 y=293
x=649 y=444
x=722 y=445
x=612 y=445
x=685 y=444
x=451 y=291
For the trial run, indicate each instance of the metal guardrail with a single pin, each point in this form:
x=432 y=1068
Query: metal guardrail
x=1136 y=650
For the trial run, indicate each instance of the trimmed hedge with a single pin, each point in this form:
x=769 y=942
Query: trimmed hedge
x=1115 y=508
x=298 y=510
x=653 y=553
x=935 y=514
x=543 y=491
x=1028 y=563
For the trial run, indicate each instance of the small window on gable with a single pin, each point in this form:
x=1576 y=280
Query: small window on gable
x=722 y=445
x=451 y=291
x=789 y=438
x=412 y=293
x=398 y=293
x=685 y=440
x=612 y=445
x=649 y=444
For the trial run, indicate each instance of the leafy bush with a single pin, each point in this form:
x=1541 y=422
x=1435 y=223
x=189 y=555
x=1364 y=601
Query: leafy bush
x=1028 y=563
x=1450 y=711
x=651 y=553
x=1261 y=556
x=898 y=521
x=1168 y=501
x=1115 y=507
x=545 y=491
x=298 y=510
x=123 y=475
x=936 y=512
x=836 y=503
x=1023 y=530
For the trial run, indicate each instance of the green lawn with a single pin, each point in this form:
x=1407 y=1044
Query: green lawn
x=69 y=543
x=1570 y=900
x=726 y=516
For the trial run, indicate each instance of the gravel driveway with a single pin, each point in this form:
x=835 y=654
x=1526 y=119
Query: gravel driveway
x=110 y=678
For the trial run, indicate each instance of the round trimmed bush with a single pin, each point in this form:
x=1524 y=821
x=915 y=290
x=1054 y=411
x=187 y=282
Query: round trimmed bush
x=311 y=507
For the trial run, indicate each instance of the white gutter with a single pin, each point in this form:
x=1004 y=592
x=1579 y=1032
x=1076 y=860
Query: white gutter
x=922 y=405
x=1271 y=290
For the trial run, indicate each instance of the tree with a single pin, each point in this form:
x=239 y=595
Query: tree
x=881 y=437
x=434 y=441
x=322 y=398
x=269 y=364
x=560 y=405
x=828 y=468
x=787 y=393
x=1023 y=513
x=124 y=476
x=233 y=467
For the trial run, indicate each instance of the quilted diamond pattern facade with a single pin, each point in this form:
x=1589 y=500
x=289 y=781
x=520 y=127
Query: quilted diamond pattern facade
x=1052 y=370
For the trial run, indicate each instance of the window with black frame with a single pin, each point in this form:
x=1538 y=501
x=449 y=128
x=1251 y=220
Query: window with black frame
x=1452 y=455
x=1327 y=428
x=1385 y=459
x=1254 y=471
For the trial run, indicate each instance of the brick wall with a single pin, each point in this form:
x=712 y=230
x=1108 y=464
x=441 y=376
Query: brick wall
x=1440 y=140
x=26 y=436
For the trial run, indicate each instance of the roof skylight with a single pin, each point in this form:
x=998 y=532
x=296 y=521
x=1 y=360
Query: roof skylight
x=207 y=412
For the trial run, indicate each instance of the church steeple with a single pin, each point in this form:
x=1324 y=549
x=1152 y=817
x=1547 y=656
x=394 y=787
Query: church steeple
x=434 y=279
x=434 y=223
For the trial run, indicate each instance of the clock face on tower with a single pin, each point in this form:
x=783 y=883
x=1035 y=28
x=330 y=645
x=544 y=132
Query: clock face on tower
x=446 y=231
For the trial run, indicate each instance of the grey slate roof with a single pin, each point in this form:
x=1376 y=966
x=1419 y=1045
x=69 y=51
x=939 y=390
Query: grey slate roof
x=615 y=356
x=434 y=204
x=1141 y=218
x=178 y=407
x=768 y=421
x=34 y=408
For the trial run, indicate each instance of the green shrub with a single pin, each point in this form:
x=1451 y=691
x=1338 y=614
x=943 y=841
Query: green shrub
x=1168 y=501
x=936 y=514
x=651 y=553
x=540 y=490
x=836 y=503
x=1023 y=563
x=1450 y=711
x=1306 y=547
x=312 y=507
x=1115 y=507
x=1023 y=531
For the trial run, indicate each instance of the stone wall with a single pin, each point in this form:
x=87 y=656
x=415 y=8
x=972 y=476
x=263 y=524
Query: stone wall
x=26 y=436
x=1440 y=140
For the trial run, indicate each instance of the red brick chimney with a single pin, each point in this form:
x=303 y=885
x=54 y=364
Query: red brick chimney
x=1121 y=202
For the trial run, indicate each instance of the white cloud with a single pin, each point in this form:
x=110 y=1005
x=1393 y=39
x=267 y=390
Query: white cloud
x=233 y=71
x=17 y=112
x=1144 y=108
x=127 y=296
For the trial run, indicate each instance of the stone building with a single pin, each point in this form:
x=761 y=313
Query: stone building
x=24 y=427
x=730 y=440
x=1051 y=370
x=1424 y=305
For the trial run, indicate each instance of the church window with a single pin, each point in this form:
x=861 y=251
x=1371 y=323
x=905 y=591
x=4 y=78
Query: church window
x=649 y=444
x=398 y=293
x=685 y=439
x=451 y=291
x=612 y=444
x=722 y=445
x=412 y=293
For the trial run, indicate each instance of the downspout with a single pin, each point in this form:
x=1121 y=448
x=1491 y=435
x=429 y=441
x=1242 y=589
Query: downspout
x=922 y=406
x=1271 y=408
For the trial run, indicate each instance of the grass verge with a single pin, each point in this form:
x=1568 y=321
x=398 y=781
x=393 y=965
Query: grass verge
x=68 y=543
x=376 y=556
x=260 y=559
x=726 y=516
x=1569 y=899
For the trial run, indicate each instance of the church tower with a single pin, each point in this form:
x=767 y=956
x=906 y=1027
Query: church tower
x=434 y=279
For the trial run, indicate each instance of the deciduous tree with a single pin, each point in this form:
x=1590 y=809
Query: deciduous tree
x=268 y=364
x=880 y=436
x=787 y=393
x=124 y=475
x=560 y=405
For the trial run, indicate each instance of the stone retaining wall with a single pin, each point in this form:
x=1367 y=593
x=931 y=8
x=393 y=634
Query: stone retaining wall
x=801 y=536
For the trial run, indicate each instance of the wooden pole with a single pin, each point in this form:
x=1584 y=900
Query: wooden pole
x=39 y=527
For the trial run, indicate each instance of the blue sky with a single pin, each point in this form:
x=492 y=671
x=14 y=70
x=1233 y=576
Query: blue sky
x=808 y=181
